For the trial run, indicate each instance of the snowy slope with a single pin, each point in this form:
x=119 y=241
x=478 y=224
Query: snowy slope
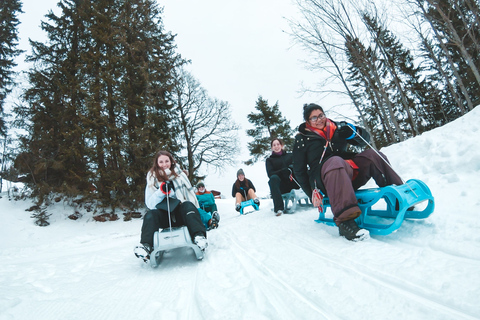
x=259 y=266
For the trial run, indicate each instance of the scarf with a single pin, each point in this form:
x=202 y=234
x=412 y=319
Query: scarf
x=327 y=134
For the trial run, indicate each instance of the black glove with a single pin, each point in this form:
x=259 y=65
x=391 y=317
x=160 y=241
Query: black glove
x=346 y=130
x=167 y=186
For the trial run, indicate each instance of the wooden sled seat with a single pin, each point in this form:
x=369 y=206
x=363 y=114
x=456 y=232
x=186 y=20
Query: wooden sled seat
x=396 y=201
x=167 y=239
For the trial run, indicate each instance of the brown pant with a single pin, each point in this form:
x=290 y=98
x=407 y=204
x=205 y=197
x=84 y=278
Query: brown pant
x=337 y=179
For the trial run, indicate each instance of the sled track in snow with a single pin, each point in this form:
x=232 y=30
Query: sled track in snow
x=389 y=281
x=248 y=265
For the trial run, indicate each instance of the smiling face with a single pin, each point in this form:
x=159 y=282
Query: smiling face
x=241 y=177
x=276 y=146
x=164 y=162
x=317 y=119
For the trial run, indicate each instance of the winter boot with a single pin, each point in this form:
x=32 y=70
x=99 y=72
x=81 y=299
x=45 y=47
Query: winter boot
x=350 y=230
x=143 y=251
x=238 y=207
x=279 y=213
x=214 y=221
x=256 y=201
x=201 y=242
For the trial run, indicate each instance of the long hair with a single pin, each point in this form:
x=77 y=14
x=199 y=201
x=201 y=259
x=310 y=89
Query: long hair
x=157 y=171
x=279 y=140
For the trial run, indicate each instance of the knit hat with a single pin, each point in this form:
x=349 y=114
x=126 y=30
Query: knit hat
x=239 y=172
x=308 y=108
x=200 y=185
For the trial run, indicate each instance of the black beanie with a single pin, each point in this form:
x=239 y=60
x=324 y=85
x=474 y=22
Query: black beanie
x=308 y=108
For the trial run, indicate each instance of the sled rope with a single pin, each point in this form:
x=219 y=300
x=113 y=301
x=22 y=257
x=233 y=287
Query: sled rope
x=356 y=133
x=168 y=208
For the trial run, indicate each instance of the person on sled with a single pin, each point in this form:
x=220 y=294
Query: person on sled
x=280 y=173
x=243 y=190
x=206 y=201
x=166 y=181
x=320 y=160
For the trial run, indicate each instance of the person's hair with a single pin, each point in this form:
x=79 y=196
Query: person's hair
x=308 y=108
x=157 y=171
x=277 y=139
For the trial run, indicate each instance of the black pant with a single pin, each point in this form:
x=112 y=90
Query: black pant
x=185 y=214
x=279 y=187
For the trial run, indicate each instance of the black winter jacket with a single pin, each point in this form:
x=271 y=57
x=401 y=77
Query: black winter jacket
x=308 y=150
x=279 y=165
x=242 y=187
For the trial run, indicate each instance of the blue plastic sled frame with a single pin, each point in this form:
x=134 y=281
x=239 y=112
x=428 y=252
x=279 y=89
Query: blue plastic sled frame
x=246 y=204
x=409 y=194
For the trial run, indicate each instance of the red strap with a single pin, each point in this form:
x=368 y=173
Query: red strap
x=354 y=167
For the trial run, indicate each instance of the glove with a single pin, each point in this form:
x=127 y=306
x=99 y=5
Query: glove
x=167 y=186
x=346 y=130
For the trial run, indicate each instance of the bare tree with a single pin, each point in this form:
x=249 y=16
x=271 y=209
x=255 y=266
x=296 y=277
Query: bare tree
x=441 y=41
x=325 y=28
x=456 y=38
x=416 y=25
x=210 y=135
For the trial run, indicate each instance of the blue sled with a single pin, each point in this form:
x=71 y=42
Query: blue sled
x=246 y=204
x=379 y=221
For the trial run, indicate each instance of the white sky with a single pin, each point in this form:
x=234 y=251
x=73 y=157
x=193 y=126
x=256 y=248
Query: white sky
x=239 y=50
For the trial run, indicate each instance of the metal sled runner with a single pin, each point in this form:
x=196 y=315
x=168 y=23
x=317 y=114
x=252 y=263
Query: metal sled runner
x=295 y=197
x=166 y=240
x=398 y=200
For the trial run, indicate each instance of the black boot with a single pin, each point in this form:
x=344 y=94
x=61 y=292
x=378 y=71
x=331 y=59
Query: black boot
x=350 y=230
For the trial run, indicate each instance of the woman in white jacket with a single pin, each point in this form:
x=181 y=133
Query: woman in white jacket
x=166 y=179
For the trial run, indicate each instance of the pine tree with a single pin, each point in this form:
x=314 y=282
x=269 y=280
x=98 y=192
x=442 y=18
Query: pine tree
x=99 y=105
x=269 y=124
x=9 y=9
x=366 y=71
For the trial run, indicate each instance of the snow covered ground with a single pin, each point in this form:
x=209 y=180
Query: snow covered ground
x=259 y=266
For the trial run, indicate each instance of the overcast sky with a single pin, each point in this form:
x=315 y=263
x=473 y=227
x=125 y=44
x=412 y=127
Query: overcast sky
x=238 y=49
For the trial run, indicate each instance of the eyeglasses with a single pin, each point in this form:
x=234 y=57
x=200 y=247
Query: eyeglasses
x=315 y=118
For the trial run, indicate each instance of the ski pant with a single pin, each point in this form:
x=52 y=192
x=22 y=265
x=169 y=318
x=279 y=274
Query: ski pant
x=337 y=179
x=277 y=188
x=210 y=208
x=184 y=215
